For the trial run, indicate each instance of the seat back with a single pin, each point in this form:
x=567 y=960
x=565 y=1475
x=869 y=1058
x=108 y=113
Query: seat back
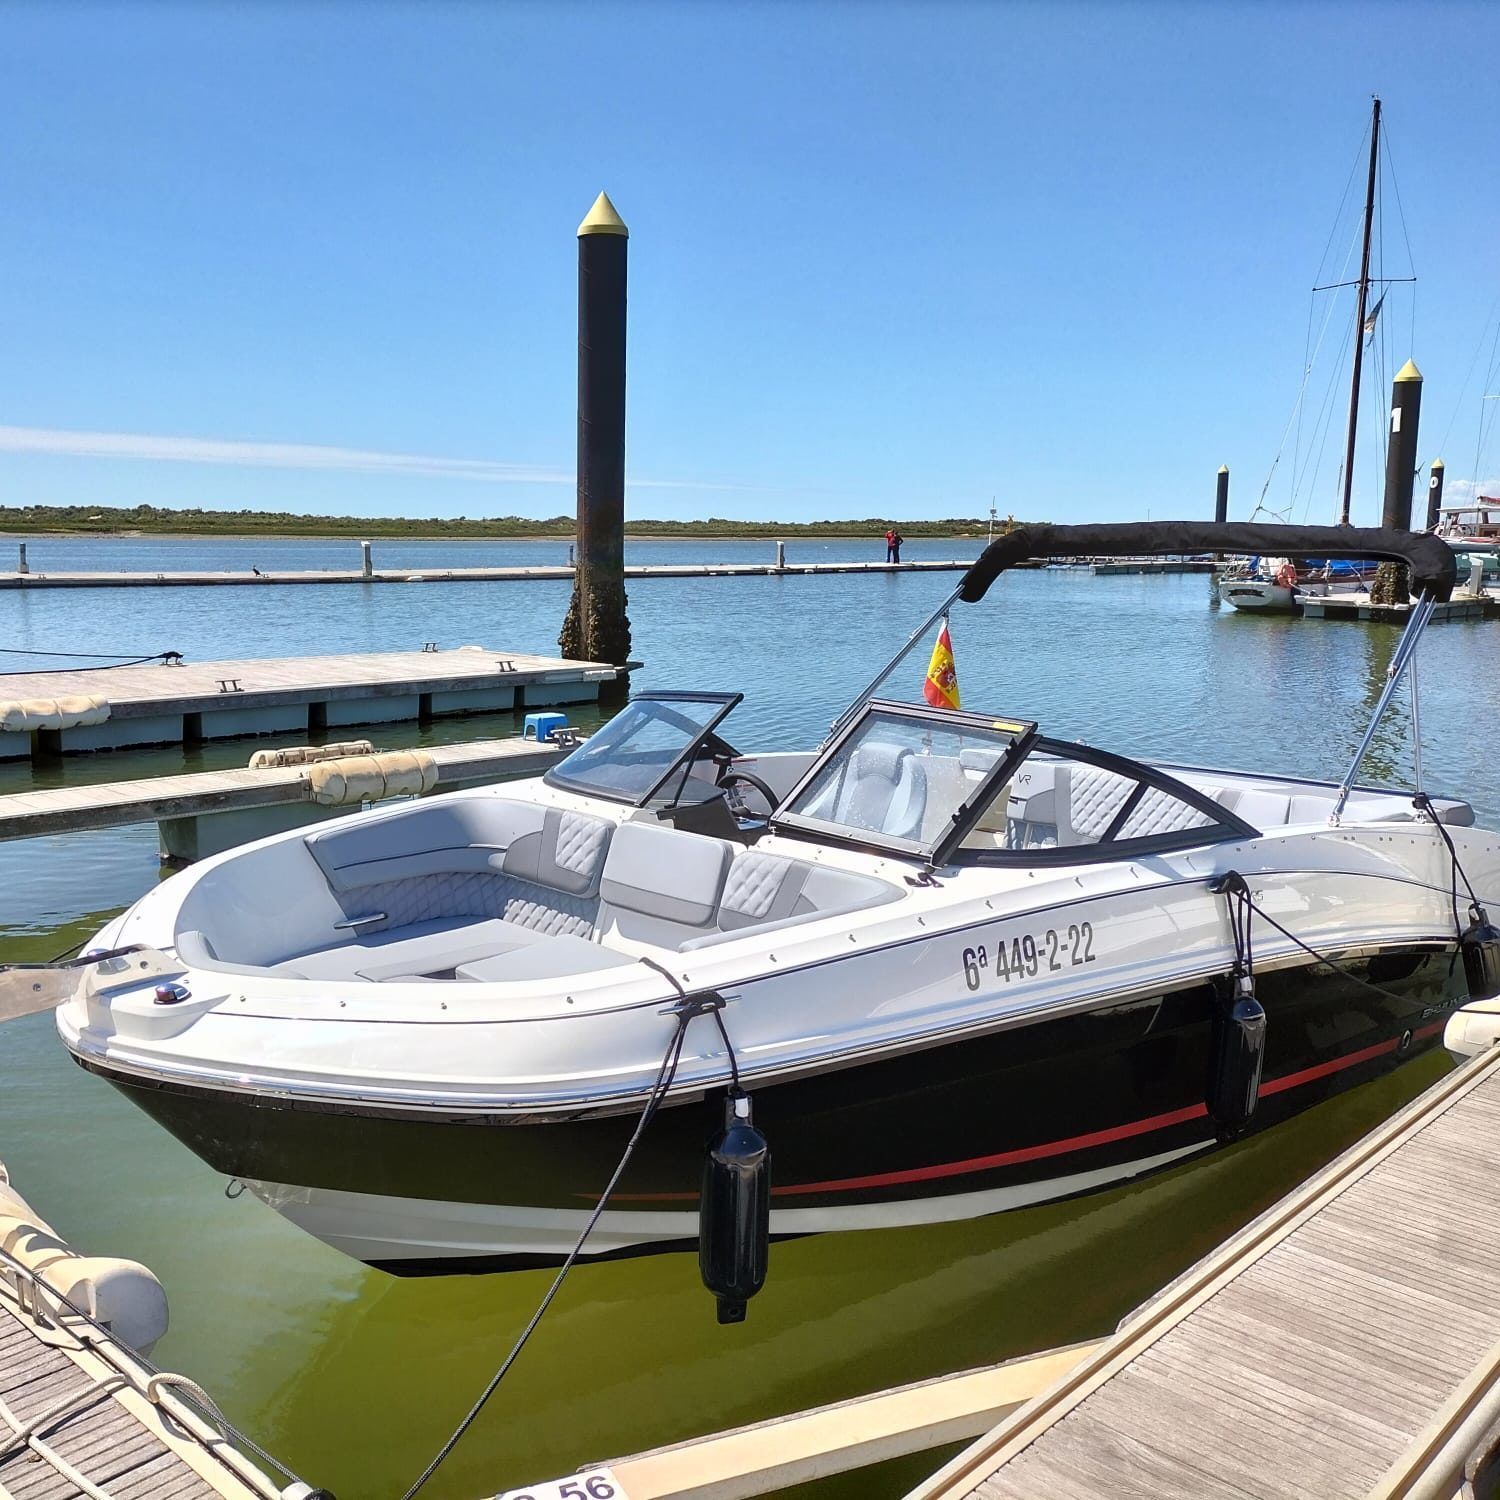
x=467 y=835
x=884 y=790
x=660 y=886
x=473 y=857
x=1037 y=812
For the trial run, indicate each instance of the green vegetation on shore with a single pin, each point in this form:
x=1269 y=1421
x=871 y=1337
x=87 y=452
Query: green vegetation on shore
x=151 y=519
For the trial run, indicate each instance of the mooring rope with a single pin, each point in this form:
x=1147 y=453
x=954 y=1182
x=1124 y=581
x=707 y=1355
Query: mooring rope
x=103 y=660
x=686 y=1008
x=1234 y=888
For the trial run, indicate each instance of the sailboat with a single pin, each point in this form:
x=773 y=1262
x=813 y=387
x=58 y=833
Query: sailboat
x=1277 y=585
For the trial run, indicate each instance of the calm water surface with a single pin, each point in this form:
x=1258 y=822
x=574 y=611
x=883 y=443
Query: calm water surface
x=355 y=1377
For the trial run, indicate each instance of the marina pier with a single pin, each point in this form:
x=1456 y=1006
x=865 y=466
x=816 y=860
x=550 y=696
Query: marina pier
x=45 y=714
x=1347 y=1342
x=77 y=579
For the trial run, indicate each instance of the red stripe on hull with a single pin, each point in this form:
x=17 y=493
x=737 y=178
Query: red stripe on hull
x=1062 y=1147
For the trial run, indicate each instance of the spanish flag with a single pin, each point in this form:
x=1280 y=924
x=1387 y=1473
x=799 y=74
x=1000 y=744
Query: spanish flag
x=941 y=687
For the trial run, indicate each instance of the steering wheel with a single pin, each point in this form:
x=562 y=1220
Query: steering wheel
x=732 y=778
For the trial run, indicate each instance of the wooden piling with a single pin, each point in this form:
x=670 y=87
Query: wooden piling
x=596 y=621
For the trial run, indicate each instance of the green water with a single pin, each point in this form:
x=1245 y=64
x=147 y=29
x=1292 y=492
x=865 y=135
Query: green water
x=355 y=1378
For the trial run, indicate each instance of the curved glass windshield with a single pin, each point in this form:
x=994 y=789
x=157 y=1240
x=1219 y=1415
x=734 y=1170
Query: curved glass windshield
x=632 y=755
x=903 y=776
x=938 y=783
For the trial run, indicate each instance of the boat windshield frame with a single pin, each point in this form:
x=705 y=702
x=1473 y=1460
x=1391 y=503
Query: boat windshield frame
x=557 y=776
x=1223 y=826
x=933 y=852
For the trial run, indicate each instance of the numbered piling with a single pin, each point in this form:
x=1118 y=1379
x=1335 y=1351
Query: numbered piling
x=1434 y=493
x=596 y=627
x=21 y=558
x=1391 y=583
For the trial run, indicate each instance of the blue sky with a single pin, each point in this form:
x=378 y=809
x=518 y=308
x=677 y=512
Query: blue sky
x=885 y=259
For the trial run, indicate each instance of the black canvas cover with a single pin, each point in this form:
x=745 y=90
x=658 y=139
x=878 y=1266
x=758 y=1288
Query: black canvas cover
x=1431 y=560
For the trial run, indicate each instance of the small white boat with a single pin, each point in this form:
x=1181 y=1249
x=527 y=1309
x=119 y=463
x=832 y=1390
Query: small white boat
x=965 y=966
x=1264 y=585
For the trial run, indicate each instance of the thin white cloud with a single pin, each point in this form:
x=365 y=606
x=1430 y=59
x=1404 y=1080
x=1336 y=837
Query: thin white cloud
x=146 y=448
x=1465 y=491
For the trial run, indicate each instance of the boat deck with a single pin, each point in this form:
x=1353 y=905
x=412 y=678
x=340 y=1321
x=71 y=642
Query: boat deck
x=1346 y=1343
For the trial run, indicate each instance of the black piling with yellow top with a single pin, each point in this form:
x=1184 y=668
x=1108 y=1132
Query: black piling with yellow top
x=1391 y=585
x=1221 y=496
x=596 y=627
x=1434 y=493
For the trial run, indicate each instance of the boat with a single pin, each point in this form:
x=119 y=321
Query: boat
x=1471 y=528
x=962 y=965
x=1262 y=586
x=1278 y=585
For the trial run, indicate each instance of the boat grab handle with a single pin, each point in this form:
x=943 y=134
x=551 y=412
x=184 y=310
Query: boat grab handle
x=350 y=924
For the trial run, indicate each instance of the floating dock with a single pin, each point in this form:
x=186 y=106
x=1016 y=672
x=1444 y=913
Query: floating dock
x=1462 y=606
x=198 y=701
x=1106 y=566
x=1345 y=1343
x=205 y=811
x=195 y=580
x=81 y=1412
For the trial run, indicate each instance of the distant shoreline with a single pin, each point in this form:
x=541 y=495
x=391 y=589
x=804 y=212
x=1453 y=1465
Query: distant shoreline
x=112 y=522
x=55 y=535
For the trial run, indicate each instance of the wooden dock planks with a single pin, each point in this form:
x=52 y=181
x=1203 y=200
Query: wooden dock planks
x=117 y=803
x=1309 y=1356
x=116 y=1440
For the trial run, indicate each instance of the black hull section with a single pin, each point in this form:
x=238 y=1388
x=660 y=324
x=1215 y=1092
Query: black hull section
x=1040 y=1104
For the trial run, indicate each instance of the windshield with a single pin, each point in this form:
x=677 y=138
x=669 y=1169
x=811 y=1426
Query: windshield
x=632 y=755
x=903 y=776
x=946 y=785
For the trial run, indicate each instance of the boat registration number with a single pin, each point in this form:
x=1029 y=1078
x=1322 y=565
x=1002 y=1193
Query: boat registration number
x=593 y=1484
x=1032 y=953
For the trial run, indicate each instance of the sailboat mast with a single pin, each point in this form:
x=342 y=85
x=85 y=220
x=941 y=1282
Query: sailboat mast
x=1359 y=316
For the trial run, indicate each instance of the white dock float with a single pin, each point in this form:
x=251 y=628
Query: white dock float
x=157 y=704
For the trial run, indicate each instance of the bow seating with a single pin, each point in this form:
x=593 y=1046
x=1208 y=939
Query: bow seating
x=483 y=888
